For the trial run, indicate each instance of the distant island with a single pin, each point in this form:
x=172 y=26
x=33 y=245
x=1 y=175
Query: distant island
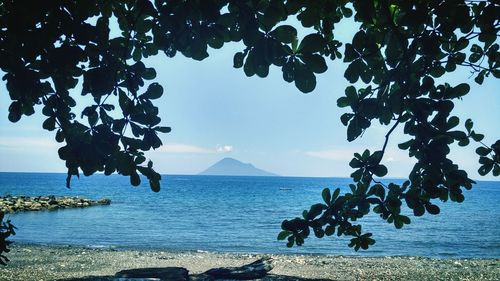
x=232 y=167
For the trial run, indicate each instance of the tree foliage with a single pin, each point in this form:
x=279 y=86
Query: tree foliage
x=400 y=55
x=6 y=230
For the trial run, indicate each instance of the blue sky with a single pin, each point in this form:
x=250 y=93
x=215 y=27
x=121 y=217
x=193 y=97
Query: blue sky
x=215 y=111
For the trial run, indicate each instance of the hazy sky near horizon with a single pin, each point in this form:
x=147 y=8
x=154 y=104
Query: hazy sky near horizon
x=215 y=111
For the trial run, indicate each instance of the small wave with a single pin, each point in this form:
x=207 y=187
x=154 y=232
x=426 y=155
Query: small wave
x=98 y=246
x=447 y=254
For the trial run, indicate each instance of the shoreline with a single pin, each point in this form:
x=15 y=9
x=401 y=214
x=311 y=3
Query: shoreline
x=121 y=248
x=59 y=262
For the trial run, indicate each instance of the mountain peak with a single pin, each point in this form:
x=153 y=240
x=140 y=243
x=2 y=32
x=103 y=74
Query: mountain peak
x=231 y=167
x=229 y=159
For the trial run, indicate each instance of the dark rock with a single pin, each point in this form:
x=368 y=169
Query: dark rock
x=104 y=201
x=163 y=273
x=52 y=207
x=53 y=201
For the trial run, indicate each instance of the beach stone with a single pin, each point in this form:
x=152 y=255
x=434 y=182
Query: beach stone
x=162 y=273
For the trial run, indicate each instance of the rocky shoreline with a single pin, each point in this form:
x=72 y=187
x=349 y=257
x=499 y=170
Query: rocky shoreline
x=12 y=204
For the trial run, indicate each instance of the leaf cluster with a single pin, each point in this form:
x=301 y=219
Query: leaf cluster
x=399 y=52
x=77 y=48
x=6 y=230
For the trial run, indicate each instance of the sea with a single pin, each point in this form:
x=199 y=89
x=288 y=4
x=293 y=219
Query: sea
x=240 y=214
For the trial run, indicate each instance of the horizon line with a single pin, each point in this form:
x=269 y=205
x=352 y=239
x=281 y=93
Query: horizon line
x=198 y=175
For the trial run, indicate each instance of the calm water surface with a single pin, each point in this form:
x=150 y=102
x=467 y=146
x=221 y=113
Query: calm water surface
x=239 y=214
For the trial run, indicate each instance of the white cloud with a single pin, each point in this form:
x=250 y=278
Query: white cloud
x=224 y=148
x=346 y=154
x=183 y=148
x=188 y=148
x=397 y=161
x=331 y=154
x=27 y=143
x=23 y=143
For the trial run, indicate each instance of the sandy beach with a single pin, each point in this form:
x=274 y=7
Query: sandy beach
x=31 y=262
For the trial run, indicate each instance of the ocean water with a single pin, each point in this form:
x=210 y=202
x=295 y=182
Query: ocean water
x=240 y=214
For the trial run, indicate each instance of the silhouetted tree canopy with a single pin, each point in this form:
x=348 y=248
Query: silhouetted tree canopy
x=402 y=47
x=6 y=230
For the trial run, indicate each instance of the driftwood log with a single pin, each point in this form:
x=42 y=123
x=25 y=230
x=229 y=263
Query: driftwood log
x=257 y=269
x=155 y=273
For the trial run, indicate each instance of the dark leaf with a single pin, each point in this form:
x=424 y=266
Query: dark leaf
x=284 y=234
x=14 y=112
x=238 y=60
x=483 y=151
x=468 y=125
x=314 y=62
x=49 y=124
x=305 y=80
x=476 y=137
x=326 y=195
x=154 y=185
x=312 y=43
x=432 y=209
x=149 y=73
x=154 y=91
x=285 y=33
x=405 y=145
x=163 y=129
x=135 y=180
